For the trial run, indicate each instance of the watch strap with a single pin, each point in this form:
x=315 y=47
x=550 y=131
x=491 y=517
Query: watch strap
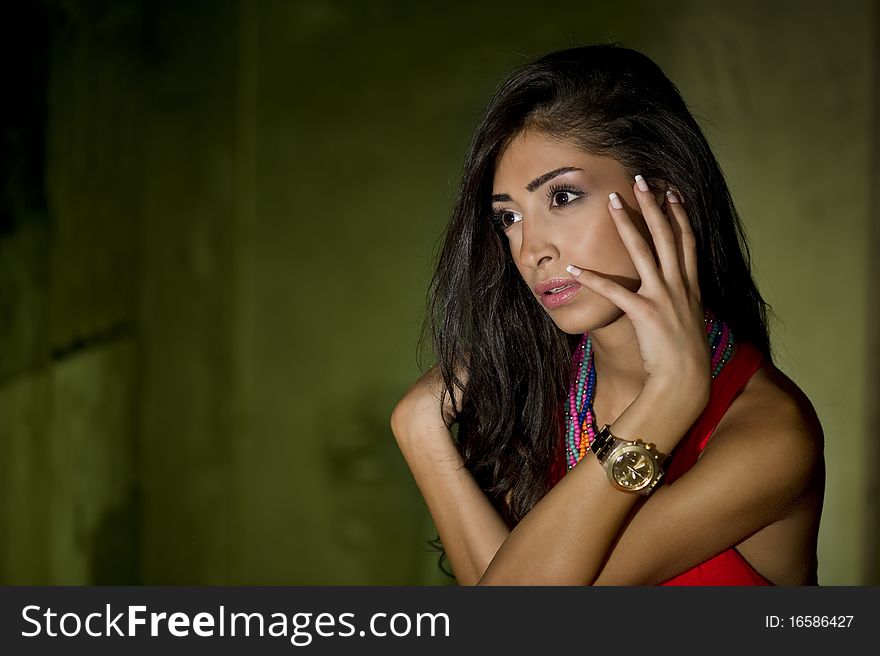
x=603 y=443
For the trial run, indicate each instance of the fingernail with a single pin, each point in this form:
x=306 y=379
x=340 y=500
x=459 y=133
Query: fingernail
x=640 y=181
x=573 y=270
x=615 y=201
x=673 y=198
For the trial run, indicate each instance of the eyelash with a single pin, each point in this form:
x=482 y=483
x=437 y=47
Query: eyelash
x=556 y=188
x=551 y=192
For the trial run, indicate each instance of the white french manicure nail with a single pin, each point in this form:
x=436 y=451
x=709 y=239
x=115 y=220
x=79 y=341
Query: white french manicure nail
x=573 y=270
x=640 y=181
x=615 y=201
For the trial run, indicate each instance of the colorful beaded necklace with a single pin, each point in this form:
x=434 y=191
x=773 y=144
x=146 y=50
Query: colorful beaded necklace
x=581 y=432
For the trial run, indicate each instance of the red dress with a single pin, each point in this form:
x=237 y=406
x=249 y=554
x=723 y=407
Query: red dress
x=728 y=567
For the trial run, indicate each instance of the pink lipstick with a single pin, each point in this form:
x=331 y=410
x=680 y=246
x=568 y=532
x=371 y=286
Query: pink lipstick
x=557 y=291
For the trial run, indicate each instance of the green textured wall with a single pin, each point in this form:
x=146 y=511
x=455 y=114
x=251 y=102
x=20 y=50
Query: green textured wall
x=204 y=328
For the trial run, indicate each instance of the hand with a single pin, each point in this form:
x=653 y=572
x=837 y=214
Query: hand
x=666 y=311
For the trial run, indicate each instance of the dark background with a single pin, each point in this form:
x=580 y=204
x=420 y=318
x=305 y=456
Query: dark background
x=217 y=225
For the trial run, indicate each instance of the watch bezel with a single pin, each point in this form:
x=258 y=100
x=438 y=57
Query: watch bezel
x=633 y=447
x=624 y=447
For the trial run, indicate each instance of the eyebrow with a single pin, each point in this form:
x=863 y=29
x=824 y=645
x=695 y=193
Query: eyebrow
x=537 y=182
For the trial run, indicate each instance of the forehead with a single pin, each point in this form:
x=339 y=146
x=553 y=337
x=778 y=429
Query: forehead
x=531 y=154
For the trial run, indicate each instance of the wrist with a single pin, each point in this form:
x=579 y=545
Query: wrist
x=685 y=395
x=661 y=414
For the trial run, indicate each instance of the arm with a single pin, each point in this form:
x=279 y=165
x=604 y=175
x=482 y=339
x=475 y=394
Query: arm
x=470 y=528
x=745 y=480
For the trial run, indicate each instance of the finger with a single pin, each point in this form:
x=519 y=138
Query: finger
x=659 y=225
x=686 y=240
x=638 y=249
x=679 y=238
x=623 y=298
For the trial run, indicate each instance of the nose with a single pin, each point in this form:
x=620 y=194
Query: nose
x=537 y=247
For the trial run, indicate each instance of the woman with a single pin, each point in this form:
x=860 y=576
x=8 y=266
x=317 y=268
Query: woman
x=595 y=322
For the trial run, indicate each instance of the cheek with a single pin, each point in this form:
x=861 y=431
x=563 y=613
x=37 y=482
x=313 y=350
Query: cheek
x=600 y=248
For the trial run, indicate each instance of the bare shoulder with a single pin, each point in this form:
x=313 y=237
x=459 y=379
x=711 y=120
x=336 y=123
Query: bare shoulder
x=771 y=437
x=773 y=419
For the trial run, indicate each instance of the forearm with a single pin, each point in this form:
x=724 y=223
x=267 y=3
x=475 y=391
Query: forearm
x=566 y=538
x=470 y=528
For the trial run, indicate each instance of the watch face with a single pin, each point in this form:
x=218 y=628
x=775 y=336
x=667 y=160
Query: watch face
x=633 y=469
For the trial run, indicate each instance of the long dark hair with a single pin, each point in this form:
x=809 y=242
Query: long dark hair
x=609 y=101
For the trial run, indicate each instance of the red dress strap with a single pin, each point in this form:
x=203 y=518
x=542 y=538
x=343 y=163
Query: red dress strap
x=745 y=361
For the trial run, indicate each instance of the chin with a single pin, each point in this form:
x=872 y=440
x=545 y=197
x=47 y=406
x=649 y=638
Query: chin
x=575 y=320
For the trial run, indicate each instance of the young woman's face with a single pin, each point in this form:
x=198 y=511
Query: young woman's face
x=551 y=199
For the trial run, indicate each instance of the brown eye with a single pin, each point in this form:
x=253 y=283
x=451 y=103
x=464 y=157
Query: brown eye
x=563 y=195
x=509 y=218
x=506 y=218
x=563 y=198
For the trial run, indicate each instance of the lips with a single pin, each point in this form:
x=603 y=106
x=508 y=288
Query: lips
x=557 y=291
x=554 y=285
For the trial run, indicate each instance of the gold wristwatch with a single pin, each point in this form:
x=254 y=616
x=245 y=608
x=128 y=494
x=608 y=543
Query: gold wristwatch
x=631 y=465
